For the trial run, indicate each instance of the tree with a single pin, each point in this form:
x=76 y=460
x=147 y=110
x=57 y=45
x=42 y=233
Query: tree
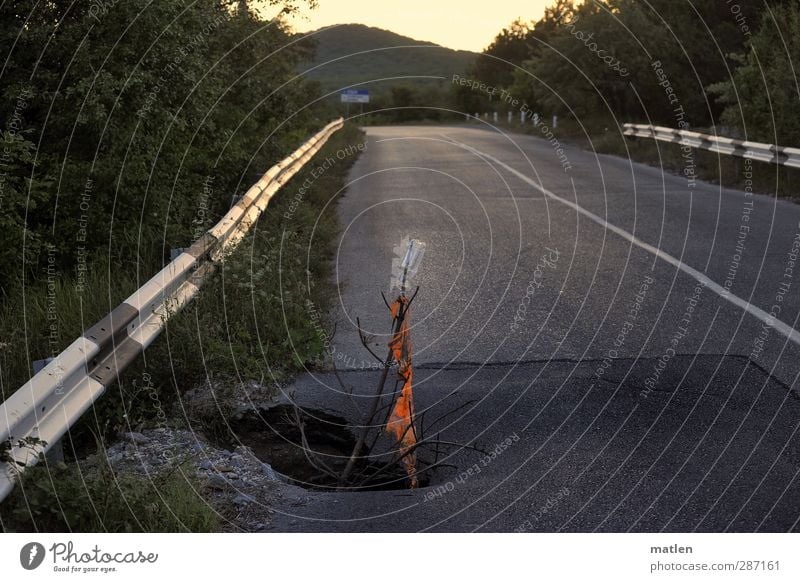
x=405 y=100
x=495 y=66
x=763 y=96
x=627 y=60
x=123 y=116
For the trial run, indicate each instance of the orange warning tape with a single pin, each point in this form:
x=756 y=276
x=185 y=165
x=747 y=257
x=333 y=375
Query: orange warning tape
x=401 y=420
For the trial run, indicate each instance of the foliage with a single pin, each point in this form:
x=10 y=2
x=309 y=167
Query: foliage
x=91 y=498
x=121 y=116
x=762 y=95
x=139 y=171
x=495 y=66
x=251 y=321
x=598 y=61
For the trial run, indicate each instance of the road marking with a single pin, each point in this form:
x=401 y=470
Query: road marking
x=773 y=322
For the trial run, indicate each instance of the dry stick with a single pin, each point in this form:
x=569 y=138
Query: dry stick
x=421 y=422
x=401 y=313
x=388 y=408
x=446 y=414
x=345 y=389
x=398 y=381
x=375 y=402
x=367 y=423
x=400 y=447
x=412 y=448
x=307 y=449
x=365 y=342
x=435 y=466
x=339 y=379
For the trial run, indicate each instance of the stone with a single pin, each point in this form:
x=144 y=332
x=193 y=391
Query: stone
x=242 y=499
x=136 y=438
x=217 y=481
x=269 y=472
x=115 y=457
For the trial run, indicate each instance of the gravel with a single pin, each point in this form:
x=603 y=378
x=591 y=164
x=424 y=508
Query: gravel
x=239 y=485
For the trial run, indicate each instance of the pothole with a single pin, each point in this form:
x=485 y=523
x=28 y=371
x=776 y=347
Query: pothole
x=311 y=458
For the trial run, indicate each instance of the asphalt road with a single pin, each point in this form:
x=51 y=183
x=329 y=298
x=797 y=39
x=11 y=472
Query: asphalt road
x=629 y=334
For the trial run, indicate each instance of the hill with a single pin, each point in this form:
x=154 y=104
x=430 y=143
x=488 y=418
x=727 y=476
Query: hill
x=350 y=54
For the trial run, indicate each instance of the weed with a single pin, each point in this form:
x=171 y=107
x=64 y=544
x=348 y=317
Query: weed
x=88 y=497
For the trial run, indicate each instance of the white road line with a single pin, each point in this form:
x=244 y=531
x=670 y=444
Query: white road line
x=774 y=323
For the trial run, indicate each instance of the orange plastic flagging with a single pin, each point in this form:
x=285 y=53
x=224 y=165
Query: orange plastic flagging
x=401 y=420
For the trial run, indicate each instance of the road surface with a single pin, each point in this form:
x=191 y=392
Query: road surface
x=620 y=340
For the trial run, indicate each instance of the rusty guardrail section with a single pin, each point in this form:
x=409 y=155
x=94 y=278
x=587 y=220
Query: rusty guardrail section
x=43 y=410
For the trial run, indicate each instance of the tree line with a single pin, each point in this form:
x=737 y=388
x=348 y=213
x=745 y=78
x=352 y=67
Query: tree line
x=727 y=64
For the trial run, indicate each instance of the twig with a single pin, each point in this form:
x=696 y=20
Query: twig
x=388 y=408
x=322 y=467
x=445 y=415
x=412 y=448
x=365 y=342
x=410 y=301
x=339 y=379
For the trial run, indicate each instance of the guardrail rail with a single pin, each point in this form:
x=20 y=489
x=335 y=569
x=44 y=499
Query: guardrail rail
x=784 y=156
x=39 y=413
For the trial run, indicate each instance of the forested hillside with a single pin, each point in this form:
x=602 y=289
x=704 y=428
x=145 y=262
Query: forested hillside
x=348 y=54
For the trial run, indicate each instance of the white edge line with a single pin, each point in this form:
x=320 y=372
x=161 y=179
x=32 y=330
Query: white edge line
x=768 y=319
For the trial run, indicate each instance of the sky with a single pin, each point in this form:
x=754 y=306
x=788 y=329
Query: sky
x=458 y=24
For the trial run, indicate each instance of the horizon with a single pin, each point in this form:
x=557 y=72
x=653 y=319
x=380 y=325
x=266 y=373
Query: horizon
x=450 y=24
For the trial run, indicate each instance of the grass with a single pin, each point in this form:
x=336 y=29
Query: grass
x=730 y=171
x=88 y=497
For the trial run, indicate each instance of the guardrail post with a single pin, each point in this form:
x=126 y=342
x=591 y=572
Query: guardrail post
x=522 y=116
x=510 y=116
x=555 y=121
x=494 y=116
x=535 y=120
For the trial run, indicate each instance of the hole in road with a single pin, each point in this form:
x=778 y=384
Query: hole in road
x=325 y=441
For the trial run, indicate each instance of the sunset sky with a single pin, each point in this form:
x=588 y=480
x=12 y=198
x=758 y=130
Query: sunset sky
x=458 y=24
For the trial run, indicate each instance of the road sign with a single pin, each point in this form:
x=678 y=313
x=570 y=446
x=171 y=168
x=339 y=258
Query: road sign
x=355 y=96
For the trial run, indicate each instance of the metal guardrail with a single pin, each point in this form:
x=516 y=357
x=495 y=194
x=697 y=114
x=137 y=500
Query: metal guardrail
x=45 y=408
x=762 y=152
